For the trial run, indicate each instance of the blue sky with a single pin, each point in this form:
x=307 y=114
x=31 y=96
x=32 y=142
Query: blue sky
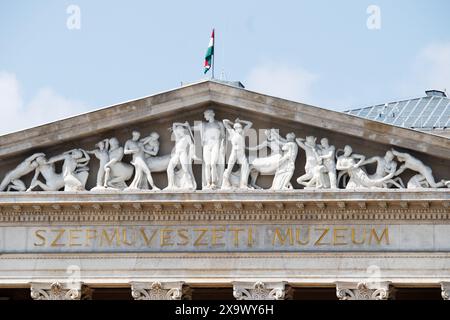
x=318 y=52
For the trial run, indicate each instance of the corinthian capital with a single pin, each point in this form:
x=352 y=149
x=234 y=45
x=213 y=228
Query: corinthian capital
x=159 y=291
x=261 y=290
x=59 y=291
x=445 y=287
x=363 y=290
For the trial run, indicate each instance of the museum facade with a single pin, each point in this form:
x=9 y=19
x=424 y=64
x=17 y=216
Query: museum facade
x=211 y=191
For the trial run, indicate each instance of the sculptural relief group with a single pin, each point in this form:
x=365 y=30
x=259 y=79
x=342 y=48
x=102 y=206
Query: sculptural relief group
x=325 y=167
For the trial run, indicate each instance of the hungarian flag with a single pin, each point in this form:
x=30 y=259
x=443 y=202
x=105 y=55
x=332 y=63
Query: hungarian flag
x=209 y=53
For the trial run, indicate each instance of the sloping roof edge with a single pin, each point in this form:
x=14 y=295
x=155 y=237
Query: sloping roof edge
x=210 y=91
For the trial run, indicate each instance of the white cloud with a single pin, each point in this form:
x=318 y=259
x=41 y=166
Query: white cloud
x=44 y=107
x=282 y=81
x=434 y=62
x=430 y=70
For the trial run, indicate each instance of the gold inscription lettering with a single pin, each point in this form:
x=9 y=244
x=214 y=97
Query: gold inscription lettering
x=165 y=237
x=363 y=240
x=283 y=237
x=378 y=239
x=91 y=234
x=236 y=235
x=250 y=237
x=73 y=236
x=339 y=238
x=109 y=240
x=146 y=239
x=125 y=238
x=59 y=234
x=184 y=235
x=307 y=237
x=217 y=235
x=39 y=234
x=198 y=242
x=324 y=233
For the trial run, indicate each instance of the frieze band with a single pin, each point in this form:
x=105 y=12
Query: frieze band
x=325 y=167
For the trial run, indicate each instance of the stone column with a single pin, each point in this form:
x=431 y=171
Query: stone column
x=363 y=290
x=261 y=290
x=60 y=291
x=160 y=291
x=445 y=287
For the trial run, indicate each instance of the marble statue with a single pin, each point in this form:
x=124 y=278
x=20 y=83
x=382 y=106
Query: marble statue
x=327 y=155
x=75 y=171
x=384 y=166
x=324 y=168
x=154 y=162
x=351 y=164
x=116 y=171
x=315 y=176
x=286 y=165
x=102 y=154
x=425 y=177
x=236 y=136
x=182 y=156
x=266 y=165
x=12 y=180
x=142 y=174
x=280 y=163
x=53 y=181
x=212 y=133
x=417 y=181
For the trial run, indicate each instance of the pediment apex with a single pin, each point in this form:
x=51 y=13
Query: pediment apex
x=222 y=95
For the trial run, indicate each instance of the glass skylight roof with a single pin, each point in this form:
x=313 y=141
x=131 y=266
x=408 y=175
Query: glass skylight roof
x=430 y=112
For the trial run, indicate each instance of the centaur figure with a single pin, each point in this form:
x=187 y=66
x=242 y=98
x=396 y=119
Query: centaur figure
x=278 y=163
x=351 y=164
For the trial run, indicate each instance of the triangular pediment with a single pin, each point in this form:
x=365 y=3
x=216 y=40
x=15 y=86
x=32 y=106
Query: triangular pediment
x=159 y=111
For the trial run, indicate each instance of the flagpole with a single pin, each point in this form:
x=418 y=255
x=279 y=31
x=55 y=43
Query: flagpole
x=214 y=53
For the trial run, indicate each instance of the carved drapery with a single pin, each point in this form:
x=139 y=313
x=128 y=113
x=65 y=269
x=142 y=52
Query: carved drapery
x=261 y=290
x=160 y=291
x=363 y=291
x=60 y=291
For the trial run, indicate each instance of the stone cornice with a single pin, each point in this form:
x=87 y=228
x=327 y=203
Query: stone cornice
x=331 y=120
x=427 y=206
x=210 y=92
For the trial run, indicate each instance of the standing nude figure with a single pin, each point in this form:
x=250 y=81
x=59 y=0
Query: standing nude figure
x=414 y=164
x=327 y=154
x=315 y=171
x=12 y=179
x=142 y=173
x=102 y=154
x=236 y=135
x=182 y=155
x=213 y=142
